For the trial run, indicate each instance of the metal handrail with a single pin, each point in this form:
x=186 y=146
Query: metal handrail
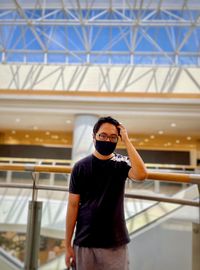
x=127 y=194
x=70 y=161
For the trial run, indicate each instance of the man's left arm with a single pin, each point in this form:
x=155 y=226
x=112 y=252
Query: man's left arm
x=138 y=170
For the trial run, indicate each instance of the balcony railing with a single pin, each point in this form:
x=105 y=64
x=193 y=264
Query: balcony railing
x=135 y=220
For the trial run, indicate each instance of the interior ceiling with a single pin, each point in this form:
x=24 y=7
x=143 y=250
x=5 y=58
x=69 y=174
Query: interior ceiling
x=177 y=117
x=161 y=131
x=135 y=124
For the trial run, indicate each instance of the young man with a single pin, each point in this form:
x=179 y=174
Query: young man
x=96 y=201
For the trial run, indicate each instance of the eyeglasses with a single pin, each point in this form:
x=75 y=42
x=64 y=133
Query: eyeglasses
x=104 y=137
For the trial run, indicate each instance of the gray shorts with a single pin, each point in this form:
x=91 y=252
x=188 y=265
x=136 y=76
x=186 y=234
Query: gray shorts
x=102 y=258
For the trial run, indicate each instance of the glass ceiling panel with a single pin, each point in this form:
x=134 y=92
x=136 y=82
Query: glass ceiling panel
x=129 y=34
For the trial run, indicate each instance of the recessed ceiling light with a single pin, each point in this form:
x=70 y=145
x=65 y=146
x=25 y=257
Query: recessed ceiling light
x=173 y=124
x=55 y=137
x=167 y=144
x=160 y=132
x=68 y=121
x=133 y=139
x=17 y=120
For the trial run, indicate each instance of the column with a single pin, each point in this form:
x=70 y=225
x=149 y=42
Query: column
x=83 y=136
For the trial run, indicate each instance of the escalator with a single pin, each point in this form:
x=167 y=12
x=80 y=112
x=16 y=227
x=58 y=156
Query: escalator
x=9 y=262
x=158 y=211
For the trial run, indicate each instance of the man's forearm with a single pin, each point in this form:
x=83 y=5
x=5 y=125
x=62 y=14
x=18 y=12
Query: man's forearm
x=71 y=218
x=138 y=169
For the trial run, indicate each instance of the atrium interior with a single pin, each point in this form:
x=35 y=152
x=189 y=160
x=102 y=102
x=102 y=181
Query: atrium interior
x=65 y=63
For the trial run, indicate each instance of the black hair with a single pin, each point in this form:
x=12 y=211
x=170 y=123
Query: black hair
x=103 y=120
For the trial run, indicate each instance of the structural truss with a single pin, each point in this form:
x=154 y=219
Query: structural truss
x=96 y=32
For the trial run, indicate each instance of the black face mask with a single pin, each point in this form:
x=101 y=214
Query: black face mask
x=105 y=148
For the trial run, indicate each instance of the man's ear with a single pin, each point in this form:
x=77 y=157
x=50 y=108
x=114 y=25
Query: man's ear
x=94 y=139
x=118 y=130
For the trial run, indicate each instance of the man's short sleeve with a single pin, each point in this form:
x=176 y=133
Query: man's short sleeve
x=74 y=186
x=123 y=164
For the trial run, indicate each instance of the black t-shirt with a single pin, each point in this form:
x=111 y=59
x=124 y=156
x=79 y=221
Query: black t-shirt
x=100 y=183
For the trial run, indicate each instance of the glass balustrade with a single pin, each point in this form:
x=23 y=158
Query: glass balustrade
x=163 y=235
x=169 y=242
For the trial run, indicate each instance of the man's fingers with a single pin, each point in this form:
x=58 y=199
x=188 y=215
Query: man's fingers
x=67 y=263
x=70 y=261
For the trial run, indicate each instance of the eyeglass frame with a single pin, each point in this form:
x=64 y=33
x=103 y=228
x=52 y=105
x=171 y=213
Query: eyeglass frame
x=115 y=140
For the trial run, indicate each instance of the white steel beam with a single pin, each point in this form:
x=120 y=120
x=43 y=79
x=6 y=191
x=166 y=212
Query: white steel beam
x=131 y=4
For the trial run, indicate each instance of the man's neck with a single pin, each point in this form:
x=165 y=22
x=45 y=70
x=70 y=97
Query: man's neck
x=99 y=156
